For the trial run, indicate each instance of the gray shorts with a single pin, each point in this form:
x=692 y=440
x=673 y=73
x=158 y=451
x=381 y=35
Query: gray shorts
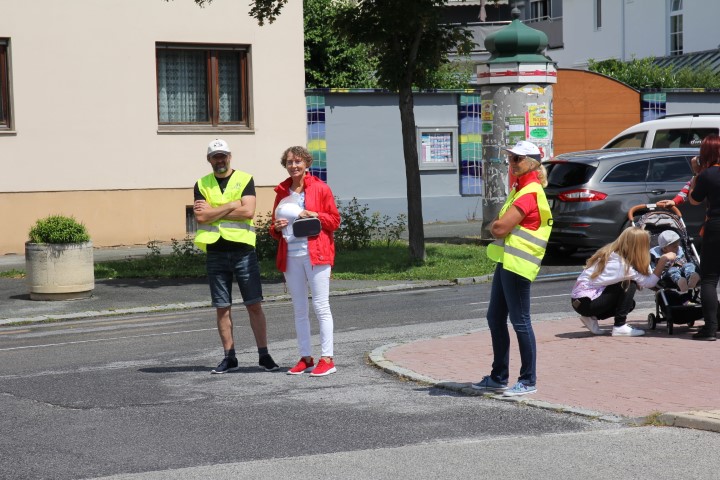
x=244 y=266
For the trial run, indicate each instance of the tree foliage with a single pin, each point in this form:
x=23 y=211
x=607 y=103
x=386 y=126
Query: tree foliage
x=407 y=36
x=412 y=45
x=331 y=61
x=644 y=73
x=262 y=10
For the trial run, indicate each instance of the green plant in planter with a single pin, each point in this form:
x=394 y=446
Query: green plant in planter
x=58 y=229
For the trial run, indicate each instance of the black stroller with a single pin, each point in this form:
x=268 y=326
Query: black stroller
x=671 y=305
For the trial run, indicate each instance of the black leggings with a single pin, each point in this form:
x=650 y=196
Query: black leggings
x=615 y=301
x=710 y=258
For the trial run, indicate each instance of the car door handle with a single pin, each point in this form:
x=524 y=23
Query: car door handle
x=659 y=191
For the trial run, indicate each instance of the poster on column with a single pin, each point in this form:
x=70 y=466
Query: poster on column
x=515 y=126
x=538 y=122
x=486 y=116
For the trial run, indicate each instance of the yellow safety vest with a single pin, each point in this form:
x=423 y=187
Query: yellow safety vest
x=522 y=250
x=233 y=230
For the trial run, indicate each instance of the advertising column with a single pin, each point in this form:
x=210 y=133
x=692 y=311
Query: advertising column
x=516 y=104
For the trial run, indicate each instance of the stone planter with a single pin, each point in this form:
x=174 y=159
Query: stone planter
x=63 y=271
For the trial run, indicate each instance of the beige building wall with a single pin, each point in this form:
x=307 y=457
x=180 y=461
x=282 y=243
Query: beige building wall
x=85 y=138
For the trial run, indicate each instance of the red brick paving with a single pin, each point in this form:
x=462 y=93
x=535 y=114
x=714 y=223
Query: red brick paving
x=628 y=376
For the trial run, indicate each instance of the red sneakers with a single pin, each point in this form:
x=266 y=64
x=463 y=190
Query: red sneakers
x=324 y=367
x=302 y=367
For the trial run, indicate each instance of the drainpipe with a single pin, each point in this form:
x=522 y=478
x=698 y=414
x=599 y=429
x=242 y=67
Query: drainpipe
x=622 y=33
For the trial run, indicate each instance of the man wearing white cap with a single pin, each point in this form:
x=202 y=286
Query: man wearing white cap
x=681 y=272
x=224 y=209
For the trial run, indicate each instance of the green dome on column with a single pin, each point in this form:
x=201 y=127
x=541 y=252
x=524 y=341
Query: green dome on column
x=517 y=43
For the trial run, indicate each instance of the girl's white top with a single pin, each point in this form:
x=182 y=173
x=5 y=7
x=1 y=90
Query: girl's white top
x=616 y=270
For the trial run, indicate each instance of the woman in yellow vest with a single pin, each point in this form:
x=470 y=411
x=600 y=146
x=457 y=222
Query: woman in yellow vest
x=521 y=232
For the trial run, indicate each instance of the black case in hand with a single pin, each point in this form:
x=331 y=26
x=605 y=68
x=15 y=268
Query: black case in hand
x=306 y=227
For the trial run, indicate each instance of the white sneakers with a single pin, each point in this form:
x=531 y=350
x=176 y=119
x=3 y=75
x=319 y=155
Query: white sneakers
x=627 y=331
x=693 y=280
x=591 y=324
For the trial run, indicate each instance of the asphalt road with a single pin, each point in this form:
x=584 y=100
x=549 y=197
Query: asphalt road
x=132 y=397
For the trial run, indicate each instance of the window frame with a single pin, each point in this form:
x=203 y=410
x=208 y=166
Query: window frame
x=675 y=27
x=597 y=11
x=629 y=164
x=640 y=135
x=6 y=123
x=436 y=165
x=540 y=10
x=674 y=161
x=212 y=54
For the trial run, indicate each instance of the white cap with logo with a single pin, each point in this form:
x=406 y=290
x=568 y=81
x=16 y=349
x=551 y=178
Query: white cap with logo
x=218 y=146
x=524 y=148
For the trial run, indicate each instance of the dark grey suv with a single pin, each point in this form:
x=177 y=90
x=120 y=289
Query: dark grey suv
x=590 y=192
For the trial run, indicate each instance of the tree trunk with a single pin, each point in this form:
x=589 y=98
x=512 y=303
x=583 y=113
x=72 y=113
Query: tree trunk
x=416 y=234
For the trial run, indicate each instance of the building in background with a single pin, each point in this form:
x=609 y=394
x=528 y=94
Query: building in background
x=106 y=110
x=675 y=32
x=627 y=29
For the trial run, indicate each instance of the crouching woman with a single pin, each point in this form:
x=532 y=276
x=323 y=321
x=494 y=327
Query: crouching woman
x=606 y=287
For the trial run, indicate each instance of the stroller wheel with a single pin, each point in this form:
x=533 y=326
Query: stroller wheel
x=651 y=321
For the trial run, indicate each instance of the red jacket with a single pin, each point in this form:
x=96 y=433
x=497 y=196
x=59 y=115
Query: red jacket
x=318 y=198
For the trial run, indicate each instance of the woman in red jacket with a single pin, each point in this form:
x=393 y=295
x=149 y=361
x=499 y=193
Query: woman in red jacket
x=306 y=260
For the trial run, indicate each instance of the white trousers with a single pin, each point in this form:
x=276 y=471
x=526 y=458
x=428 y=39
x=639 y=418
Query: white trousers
x=300 y=273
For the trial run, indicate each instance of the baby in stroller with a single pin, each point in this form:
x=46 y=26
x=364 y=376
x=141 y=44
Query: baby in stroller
x=681 y=273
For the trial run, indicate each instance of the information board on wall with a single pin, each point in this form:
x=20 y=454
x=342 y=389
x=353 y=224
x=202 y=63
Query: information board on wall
x=437 y=148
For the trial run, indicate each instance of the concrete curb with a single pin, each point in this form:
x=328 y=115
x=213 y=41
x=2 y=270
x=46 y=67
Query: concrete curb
x=540 y=278
x=377 y=358
x=190 y=305
x=700 y=420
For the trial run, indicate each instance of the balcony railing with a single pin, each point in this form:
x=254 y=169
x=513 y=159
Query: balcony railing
x=552 y=27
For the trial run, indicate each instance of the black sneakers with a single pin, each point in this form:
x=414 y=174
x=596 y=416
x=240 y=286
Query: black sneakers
x=267 y=362
x=228 y=364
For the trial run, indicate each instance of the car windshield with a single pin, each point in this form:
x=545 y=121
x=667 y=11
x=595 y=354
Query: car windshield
x=568 y=174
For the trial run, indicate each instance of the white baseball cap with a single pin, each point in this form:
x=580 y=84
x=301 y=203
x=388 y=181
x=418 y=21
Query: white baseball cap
x=667 y=237
x=525 y=149
x=218 y=146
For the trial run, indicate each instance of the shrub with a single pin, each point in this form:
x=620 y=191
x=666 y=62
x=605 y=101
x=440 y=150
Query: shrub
x=356 y=227
x=58 y=229
x=185 y=248
x=265 y=245
x=358 y=230
x=643 y=73
x=387 y=231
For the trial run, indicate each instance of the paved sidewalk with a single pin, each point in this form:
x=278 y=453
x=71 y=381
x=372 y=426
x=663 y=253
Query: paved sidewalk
x=654 y=378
